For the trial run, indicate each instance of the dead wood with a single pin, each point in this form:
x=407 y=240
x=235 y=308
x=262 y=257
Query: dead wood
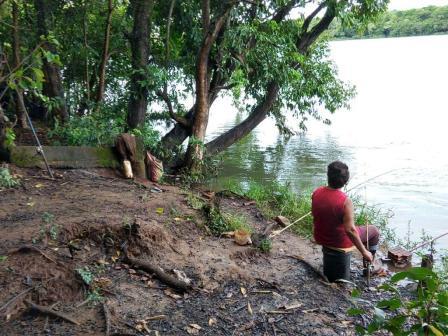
x=106 y=317
x=50 y=312
x=158 y=272
x=18 y=296
x=31 y=248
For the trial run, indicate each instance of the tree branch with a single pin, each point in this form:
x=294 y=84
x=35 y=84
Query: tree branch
x=310 y=17
x=181 y=120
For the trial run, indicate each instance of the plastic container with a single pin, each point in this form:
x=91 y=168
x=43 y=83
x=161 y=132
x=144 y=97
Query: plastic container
x=336 y=264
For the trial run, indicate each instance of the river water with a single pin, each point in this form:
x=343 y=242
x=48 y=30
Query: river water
x=397 y=124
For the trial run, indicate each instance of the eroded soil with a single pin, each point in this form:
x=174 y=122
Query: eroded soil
x=80 y=223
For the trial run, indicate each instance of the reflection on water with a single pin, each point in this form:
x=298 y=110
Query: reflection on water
x=397 y=122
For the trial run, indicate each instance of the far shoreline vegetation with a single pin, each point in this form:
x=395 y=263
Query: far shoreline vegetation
x=431 y=20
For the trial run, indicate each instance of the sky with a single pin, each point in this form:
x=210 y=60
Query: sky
x=407 y=4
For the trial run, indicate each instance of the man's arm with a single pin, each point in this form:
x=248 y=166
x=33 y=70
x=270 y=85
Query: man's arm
x=350 y=229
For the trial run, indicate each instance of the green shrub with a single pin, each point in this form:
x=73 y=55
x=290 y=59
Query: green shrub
x=98 y=129
x=235 y=222
x=265 y=245
x=6 y=179
x=425 y=313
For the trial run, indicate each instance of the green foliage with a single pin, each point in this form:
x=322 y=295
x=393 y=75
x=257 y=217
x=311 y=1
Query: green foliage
x=194 y=201
x=275 y=199
x=265 y=245
x=6 y=179
x=99 y=129
x=419 y=21
x=95 y=296
x=425 y=313
x=3 y=258
x=10 y=137
x=374 y=215
x=86 y=275
x=235 y=222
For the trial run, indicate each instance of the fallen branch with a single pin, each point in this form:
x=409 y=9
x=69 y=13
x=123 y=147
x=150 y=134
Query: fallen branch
x=31 y=248
x=50 y=312
x=107 y=318
x=15 y=298
x=158 y=272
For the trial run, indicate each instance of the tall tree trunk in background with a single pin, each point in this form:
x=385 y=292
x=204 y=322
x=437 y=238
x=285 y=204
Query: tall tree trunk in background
x=18 y=97
x=53 y=81
x=2 y=130
x=105 y=55
x=139 y=41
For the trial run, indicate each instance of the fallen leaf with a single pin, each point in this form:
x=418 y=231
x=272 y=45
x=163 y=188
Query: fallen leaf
x=39 y=185
x=193 y=329
x=160 y=211
x=292 y=306
x=132 y=271
x=31 y=204
x=249 y=308
x=177 y=219
x=228 y=234
x=271 y=320
x=172 y=295
x=212 y=321
x=243 y=291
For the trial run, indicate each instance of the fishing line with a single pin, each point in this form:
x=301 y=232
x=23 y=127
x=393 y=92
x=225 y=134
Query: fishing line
x=276 y=233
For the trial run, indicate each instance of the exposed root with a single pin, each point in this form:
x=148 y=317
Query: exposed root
x=31 y=248
x=158 y=272
x=50 y=312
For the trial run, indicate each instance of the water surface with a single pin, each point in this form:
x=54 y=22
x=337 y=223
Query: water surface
x=397 y=124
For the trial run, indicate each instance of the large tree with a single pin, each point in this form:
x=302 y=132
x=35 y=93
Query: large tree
x=256 y=51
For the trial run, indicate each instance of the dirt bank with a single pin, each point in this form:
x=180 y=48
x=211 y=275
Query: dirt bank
x=72 y=231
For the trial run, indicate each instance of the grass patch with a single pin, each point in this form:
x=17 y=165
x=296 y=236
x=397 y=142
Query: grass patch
x=276 y=199
x=236 y=222
x=194 y=201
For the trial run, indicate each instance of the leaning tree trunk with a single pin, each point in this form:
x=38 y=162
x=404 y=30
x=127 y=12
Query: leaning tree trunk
x=104 y=56
x=305 y=39
x=18 y=97
x=238 y=132
x=53 y=80
x=139 y=41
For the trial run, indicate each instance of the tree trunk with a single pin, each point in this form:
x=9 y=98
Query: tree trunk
x=246 y=126
x=195 y=151
x=2 y=130
x=105 y=56
x=53 y=81
x=18 y=96
x=139 y=41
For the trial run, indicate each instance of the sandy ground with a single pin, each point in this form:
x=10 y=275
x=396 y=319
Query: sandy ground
x=80 y=222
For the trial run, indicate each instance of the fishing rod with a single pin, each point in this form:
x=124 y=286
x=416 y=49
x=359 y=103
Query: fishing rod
x=39 y=148
x=277 y=232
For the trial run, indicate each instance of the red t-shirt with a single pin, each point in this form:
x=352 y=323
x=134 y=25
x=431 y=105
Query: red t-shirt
x=328 y=214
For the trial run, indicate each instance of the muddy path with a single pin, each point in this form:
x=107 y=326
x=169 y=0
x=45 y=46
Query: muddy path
x=77 y=226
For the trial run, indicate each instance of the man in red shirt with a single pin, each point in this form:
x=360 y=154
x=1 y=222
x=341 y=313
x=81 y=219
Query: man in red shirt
x=334 y=226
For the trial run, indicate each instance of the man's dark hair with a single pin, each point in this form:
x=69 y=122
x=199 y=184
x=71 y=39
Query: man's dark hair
x=337 y=174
